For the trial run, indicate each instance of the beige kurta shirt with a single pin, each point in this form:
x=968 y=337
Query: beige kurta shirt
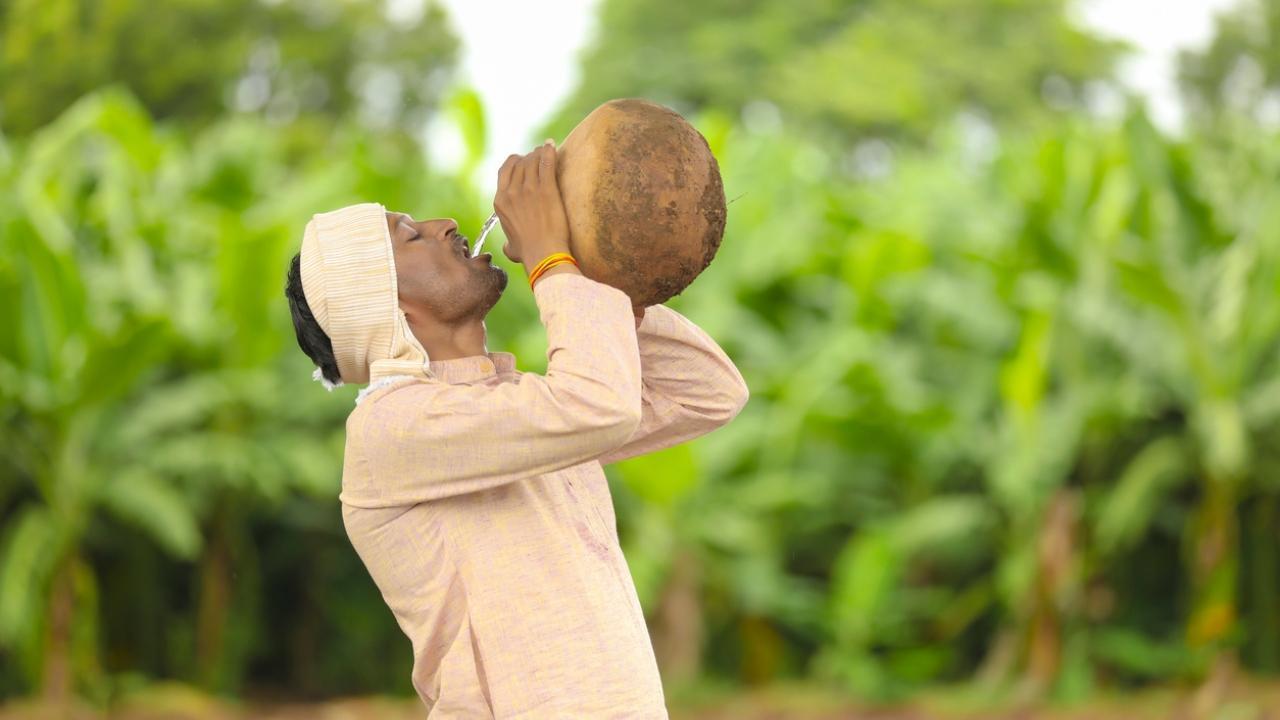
x=477 y=501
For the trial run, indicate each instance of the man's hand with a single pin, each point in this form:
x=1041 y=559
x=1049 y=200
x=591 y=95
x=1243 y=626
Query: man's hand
x=529 y=206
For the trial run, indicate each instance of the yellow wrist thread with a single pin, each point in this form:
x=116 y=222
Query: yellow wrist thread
x=548 y=259
x=533 y=278
x=547 y=263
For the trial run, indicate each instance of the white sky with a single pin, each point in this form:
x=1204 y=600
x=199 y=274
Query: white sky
x=521 y=57
x=1158 y=29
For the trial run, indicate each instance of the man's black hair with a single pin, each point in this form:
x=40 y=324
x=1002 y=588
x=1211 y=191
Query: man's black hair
x=311 y=338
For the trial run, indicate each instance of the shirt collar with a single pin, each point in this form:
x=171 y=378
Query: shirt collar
x=454 y=371
x=473 y=367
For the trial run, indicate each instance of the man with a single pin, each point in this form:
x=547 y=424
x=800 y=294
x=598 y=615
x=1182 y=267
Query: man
x=474 y=493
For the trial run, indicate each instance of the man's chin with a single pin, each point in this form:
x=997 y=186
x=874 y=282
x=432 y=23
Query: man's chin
x=496 y=279
x=500 y=280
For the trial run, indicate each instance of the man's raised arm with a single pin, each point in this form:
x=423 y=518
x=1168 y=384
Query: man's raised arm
x=431 y=440
x=689 y=385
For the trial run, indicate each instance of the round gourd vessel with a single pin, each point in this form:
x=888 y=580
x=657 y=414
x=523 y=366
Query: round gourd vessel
x=643 y=197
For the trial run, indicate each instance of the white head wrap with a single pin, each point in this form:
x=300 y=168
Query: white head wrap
x=349 y=279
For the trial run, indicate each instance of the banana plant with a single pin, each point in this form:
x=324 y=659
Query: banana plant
x=1199 y=269
x=1011 y=323
x=86 y=329
x=151 y=376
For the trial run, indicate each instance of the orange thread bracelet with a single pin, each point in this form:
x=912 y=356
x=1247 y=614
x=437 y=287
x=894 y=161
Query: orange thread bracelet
x=533 y=278
x=546 y=260
x=543 y=265
x=547 y=263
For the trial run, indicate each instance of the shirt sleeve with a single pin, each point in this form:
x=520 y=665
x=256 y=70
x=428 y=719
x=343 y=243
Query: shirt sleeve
x=431 y=440
x=689 y=385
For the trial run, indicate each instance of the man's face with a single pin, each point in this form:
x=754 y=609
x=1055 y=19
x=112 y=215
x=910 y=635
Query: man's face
x=435 y=274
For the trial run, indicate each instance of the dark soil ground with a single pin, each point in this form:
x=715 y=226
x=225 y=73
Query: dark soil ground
x=1245 y=700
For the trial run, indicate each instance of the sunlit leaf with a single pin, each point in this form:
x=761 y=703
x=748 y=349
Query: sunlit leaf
x=1127 y=510
x=862 y=582
x=940 y=523
x=467 y=113
x=153 y=505
x=27 y=556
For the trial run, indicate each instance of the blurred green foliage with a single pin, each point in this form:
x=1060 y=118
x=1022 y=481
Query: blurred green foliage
x=150 y=380
x=1238 y=73
x=992 y=398
x=847 y=68
x=195 y=60
x=1015 y=409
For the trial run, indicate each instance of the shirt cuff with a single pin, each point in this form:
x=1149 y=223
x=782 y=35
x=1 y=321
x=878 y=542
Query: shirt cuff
x=561 y=285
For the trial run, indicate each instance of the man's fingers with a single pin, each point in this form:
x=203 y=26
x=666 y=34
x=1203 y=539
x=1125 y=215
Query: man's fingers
x=504 y=172
x=531 y=162
x=547 y=162
x=519 y=172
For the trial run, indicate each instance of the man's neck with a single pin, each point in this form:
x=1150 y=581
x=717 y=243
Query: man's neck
x=443 y=342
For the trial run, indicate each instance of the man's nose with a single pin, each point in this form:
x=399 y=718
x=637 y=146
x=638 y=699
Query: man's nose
x=441 y=227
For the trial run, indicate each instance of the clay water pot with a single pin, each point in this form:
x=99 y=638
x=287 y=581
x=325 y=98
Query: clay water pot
x=643 y=197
